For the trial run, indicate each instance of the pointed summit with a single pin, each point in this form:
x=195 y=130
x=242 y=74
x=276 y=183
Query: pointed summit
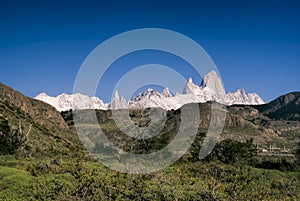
x=209 y=79
x=118 y=103
x=190 y=87
x=213 y=82
x=116 y=96
x=166 y=93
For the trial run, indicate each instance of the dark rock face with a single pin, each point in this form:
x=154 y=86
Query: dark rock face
x=41 y=112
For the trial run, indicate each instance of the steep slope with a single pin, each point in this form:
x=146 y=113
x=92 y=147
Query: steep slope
x=285 y=107
x=24 y=136
x=32 y=128
x=40 y=111
x=213 y=82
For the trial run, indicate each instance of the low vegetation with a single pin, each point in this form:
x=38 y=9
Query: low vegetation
x=217 y=178
x=39 y=163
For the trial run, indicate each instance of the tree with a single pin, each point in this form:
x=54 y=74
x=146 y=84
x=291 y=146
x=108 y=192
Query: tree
x=231 y=152
x=11 y=140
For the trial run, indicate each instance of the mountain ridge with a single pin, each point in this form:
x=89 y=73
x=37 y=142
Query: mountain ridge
x=286 y=107
x=210 y=89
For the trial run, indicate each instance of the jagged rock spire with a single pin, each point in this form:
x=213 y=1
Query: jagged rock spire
x=117 y=102
x=166 y=93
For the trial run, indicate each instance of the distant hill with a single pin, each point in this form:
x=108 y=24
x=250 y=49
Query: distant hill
x=242 y=123
x=285 y=107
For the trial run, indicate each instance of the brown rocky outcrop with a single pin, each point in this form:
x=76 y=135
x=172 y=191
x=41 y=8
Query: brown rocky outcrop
x=41 y=112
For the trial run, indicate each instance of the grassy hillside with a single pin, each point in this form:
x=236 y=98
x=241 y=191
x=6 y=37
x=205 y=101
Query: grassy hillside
x=31 y=139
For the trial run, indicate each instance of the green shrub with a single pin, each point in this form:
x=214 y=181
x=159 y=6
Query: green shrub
x=234 y=152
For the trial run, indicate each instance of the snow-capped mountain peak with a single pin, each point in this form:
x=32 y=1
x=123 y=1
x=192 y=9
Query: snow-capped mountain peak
x=166 y=93
x=65 y=101
x=240 y=97
x=190 y=87
x=210 y=89
x=213 y=83
x=117 y=102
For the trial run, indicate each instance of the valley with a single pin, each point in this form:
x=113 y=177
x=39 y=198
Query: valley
x=42 y=157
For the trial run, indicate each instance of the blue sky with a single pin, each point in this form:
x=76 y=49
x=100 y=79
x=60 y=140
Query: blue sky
x=255 y=44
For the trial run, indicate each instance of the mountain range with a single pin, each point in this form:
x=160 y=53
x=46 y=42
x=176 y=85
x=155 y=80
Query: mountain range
x=210 y=89
x=277 y=121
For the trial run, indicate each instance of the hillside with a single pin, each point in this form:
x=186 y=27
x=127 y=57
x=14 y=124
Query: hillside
x=41 y=112
x=285 y=107
x=34 y=127
x=242 y=124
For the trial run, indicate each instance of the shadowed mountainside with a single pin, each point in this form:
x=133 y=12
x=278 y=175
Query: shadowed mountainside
x=285 y=107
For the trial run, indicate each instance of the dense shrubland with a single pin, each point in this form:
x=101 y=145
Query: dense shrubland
x=56 y=168
x=228 y=173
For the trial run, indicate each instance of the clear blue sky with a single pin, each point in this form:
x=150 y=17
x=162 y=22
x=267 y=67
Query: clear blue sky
x=255 y=44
